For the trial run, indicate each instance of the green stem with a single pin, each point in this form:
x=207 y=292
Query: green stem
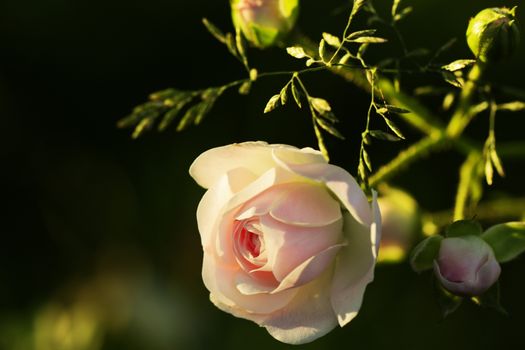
x=466 y=175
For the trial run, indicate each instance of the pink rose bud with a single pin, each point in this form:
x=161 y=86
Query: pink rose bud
x=466 y=265
x=264 y=22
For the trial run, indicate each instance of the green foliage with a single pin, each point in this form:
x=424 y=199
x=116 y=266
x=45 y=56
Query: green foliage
x=463 y=228
x=507 y=240
x=423 y=255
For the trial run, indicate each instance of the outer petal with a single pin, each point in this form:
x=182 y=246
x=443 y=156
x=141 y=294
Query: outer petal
x=355 y=265
x=307 y=317
x=212 y=203
x=339 y=181
x=255 y=156
x=222 y=281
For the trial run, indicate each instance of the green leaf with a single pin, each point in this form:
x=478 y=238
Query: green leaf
x=381 y=135
x=489 y=171
x=423 y=255
x=448 y=101
x=496 y=161
x=452 y=79
x=394 y=128
x=419 y=52
x=394 y=109
x=395 y=6
x=191 y=115
x=360 y=33
x=367 y=160
x=144 y=125
x=368 y=40
x=463 y=228
x=296 y=94
x=332 y=40
x=458 y=64
x=346 y=57
x=405 y=12
x=284 y=94
x=320 y=142
x=507 y=240
x=244 y=89
x=514 y=106
x=322 y=49
x=231 y=44
x=273 y=103
x=216 y=32
x=172 y=113
x=253 y=74
x=320 y=105
x=296 y=51
x=329 y=128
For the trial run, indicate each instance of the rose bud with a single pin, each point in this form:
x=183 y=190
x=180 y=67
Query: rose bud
x=493 y=34
x=290 y=241
x=400 y=222
x=466 y=265
x=264 y=22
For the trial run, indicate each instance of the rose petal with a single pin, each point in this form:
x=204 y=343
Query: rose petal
x=288 y=246
x=212 y=203
x=298 y=156
x=309 y=269
x=354 y=267
x=212 y=164
x=221 y=282
x=339 y=181
x=248 y=285
x=307 y=317
x=304 y=204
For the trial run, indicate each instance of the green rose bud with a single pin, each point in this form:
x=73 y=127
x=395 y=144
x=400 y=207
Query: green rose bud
x=492 y=34
x=264 y=22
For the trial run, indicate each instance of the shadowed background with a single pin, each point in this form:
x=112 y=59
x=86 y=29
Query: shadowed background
x=100 y=248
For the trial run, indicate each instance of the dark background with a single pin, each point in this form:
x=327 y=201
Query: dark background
x=100 y=248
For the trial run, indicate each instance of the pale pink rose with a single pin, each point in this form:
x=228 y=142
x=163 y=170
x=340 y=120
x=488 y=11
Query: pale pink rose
x=290 y=242
x=466 y=265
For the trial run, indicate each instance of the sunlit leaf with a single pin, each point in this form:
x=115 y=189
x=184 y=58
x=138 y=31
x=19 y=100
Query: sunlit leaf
x=273 y=103
x=296 y=51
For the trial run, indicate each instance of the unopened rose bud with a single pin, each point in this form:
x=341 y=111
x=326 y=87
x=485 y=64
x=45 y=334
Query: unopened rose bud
x=492 y=34
x=466 y=265
x=400 y=224
x=264 y=22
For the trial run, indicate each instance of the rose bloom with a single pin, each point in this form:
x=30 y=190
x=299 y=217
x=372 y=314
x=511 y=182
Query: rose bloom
x=289 y=241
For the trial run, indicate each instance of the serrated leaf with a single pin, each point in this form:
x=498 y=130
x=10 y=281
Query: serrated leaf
x=320 y=105
x=332 y=40
x=367 y=161
x=394 y=128
x=463 y=228
x=296 y=51
x=329 y=128
x=423 y=255
x=458 y=64
x=273 y=103
x=360 y=33
x=381 y=135
x=368 y=40
x=216 y=32
x=514 y=106
x=507 y=240
x=296 y=94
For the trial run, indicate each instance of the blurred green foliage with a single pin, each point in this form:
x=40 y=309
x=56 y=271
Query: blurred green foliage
x=100 y=247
